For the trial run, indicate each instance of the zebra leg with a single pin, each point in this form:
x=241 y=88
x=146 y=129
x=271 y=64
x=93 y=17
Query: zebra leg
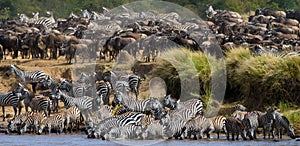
x=227 y=135
x=20 y=107
x=34 y=87
x=3 y=111
x=264 y=131
x=15 y=111
x=232 y=136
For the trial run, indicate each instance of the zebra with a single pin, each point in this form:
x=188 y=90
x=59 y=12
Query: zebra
x=104 y=112
x=195 y=104
x=102 y=128
x=199 y=125
x=32 y=121
x=154 y=131
x=33 y=77
x=266 y=120
x=45 y=22
x=52 y=84
x=234 y=126
x=53 y=121
x=104 y=88
x=85 y=104
x=251 y=124
x=85 y=14
x=145 y=106
x=219 y=124
x=239 y=114
x=14 y=123
x=10 y=98
x=71 y=115
x=175 y=121
x=134 y=82
x=76 y=90
x=239 y=107
x=280 y=123
x=125 y=132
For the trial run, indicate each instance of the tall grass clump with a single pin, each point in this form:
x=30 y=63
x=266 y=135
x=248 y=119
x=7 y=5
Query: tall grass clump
x=266 y=79
x=187 y=74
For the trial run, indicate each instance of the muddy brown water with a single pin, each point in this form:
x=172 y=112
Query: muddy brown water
x=81 y=139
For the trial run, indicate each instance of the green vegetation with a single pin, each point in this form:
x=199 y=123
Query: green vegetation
x=266 y=80
x=63 y=8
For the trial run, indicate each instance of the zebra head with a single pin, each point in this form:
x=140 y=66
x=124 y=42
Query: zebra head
x=272 y=113
x=19 y=90
x=47 y=82
x=84 y=78
x=240 y=107
x=11 y=70
x=64 y=84
x=169 y=102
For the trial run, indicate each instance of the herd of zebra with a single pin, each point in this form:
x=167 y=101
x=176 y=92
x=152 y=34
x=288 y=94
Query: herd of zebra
x=87 y=101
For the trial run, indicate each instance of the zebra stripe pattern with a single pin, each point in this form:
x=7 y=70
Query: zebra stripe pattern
x=33 y=77
x=266 y=120
x=134 y=82
x=234 y=126
x=52 y=85
x=251 y=124
x=50 y=122
x=71 y=115
x=280 y=123
x=14 y=123
x=32 y=122
x=199 y=125
x=219 y=124
x=10 y=99
x=104 y=88
x=105 y=125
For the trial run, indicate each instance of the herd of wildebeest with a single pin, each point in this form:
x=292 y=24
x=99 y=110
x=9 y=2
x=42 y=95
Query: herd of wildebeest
x=92 y=34
x=115 y=110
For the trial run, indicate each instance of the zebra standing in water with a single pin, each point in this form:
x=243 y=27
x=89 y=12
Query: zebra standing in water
x=71 y=115
x=102 y=128
x=52 y=121
x=251 y=124
x=10 y=99
x=14 y=123
x=219 y=124
x=280 y=123
x=33 y=77
x=234 y=126
x=32 y=122
x=266 y=120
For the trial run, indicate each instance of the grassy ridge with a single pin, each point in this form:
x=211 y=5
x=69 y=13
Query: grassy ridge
x=258 y=82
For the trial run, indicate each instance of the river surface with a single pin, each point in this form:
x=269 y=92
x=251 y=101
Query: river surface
x=80 y=139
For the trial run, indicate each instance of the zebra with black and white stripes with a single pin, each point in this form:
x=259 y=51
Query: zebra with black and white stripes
x=125 y=132
x=52 y=84
x=10 y=98
x=102 y=128
x=56 y=121
x=235 y=127
x=46 y=23
x=266 y=120
x=71 y=115
x=104 y=89
x=134 y=82
x=280 y=123
x=76 y=90
x=145 y=106
x=154 y=131
x=198 y=125
x=87 y=105
x=13 y=125
x=251 y=124
x=32 y=122
x=219 y=124
x=32 y=77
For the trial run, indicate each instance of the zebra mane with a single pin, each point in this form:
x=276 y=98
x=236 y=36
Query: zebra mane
x=285 y=119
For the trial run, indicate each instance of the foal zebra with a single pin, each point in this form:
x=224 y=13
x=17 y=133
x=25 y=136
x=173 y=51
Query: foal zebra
x=33 y=77
x=51 y=83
